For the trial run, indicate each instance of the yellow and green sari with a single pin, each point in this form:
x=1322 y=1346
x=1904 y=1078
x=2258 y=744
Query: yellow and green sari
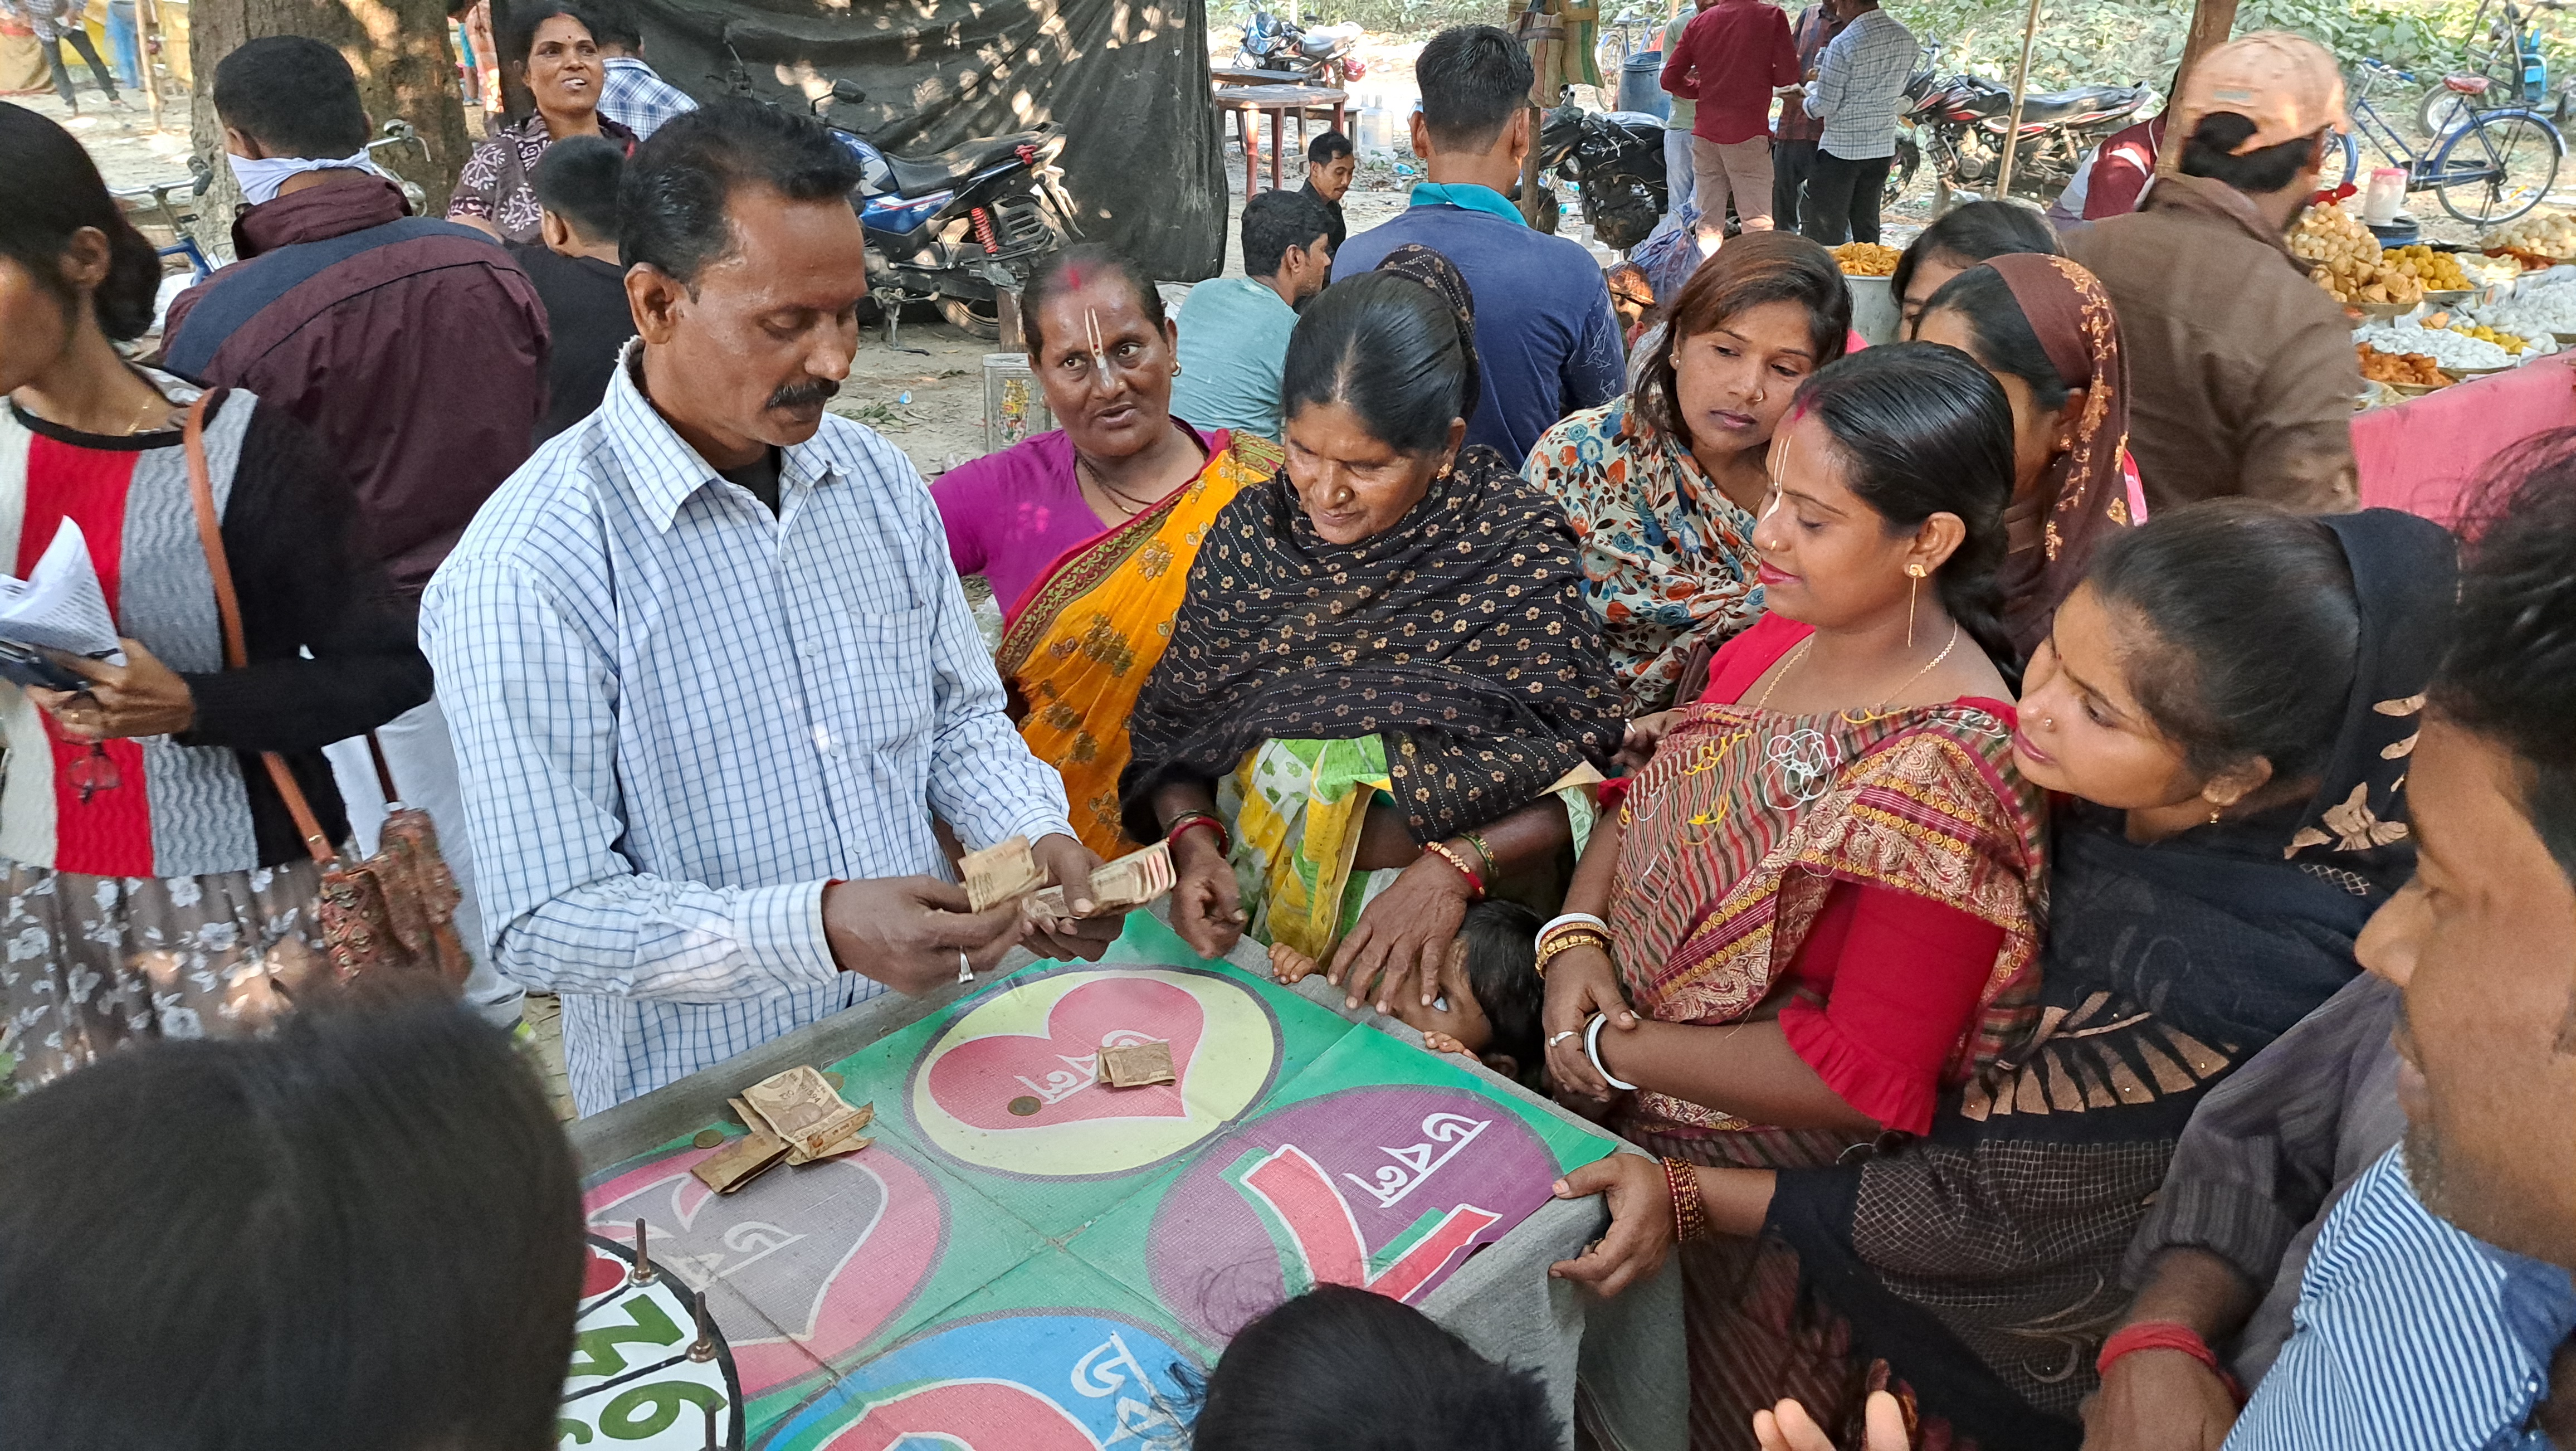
x=1080 y=645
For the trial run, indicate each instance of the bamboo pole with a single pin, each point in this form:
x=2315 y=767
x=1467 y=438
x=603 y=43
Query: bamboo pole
x=2021 y=88
x=147 y=26
x=2211 y=20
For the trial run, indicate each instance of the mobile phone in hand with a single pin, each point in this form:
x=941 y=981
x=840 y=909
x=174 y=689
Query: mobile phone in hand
x=22 y=666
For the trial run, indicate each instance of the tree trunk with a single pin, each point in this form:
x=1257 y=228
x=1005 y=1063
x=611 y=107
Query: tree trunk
x=406 y=69
x=2211 y=20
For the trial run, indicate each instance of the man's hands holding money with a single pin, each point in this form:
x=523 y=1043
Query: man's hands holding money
x=1069 y=864
x=907 y=932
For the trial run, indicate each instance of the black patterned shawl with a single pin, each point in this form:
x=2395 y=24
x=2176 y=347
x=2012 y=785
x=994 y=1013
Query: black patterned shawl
x=1982 y=1261
x=1460 y=635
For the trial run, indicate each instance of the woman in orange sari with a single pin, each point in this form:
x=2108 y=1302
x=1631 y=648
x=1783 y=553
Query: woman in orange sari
x=1087 y=533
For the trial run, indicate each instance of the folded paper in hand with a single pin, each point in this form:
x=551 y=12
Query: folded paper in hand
x=999 y=873
x=1120 y=886
x=59 y=605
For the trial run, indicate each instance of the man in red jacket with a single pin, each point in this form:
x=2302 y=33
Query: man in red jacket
x=413 y=346
x=1731 y=60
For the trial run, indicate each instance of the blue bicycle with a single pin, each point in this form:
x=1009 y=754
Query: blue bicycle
x=2491 y=167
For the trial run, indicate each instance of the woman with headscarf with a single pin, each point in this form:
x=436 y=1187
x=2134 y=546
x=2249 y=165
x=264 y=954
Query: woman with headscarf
x=557 y=58
x=2044 y=327
x=1086 y=532
x=2228 y=702
x=1383 y=695
x=1661 y=484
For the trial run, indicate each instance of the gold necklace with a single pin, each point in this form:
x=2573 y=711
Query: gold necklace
x=1801 y=653
x=1135 y=506
x=159 y=402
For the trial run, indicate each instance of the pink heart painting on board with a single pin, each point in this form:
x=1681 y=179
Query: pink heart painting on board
x=779 y=1258
x=1025 y=1081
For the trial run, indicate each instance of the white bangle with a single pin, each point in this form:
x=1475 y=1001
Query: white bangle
x=1592 y=1050
x=1570 y=919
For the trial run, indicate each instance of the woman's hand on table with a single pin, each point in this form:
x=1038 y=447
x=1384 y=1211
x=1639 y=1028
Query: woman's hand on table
x=1402 y=937
x=1207 y=907
x=1645 y=733
x=1640 y=1201
x=141 y=697
x=1067 y=861
x=1581 y=982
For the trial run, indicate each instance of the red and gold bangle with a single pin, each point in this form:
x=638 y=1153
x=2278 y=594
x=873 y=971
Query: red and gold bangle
x=2165 y=1335
x=1567 y=941
x=1690 y=1216
x=1449 y=854
x=1191 y=820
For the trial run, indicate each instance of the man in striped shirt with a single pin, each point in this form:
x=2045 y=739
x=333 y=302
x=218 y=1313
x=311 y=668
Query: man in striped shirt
x=709 y=672
x=2437 y=1306
x=1858 y=92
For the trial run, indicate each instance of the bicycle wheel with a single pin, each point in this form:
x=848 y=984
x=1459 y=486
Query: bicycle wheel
x=2350 y=175
x=2497 y=167
x=2442 y=111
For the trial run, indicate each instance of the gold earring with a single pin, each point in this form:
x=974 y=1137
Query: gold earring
x=1913 y=572
x=2214 y=812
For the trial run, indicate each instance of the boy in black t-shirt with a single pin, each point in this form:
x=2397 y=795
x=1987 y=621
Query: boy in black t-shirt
x=578 y=275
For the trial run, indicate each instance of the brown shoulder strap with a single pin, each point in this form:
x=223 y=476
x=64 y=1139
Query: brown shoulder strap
x=201 y=487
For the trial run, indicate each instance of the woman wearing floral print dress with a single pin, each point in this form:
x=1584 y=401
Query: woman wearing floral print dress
x=152 y=881
x=555 y=54
x=1661 y=485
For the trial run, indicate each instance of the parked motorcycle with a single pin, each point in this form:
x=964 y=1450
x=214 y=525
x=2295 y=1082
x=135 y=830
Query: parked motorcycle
x=1616 y=161
x=1324 y=55
x=955 y=228
x=1959 y=124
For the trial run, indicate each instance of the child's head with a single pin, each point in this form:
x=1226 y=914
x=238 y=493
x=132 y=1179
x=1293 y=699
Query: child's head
x=1490 y=993
x=360 y=1233
x=1338 y=1367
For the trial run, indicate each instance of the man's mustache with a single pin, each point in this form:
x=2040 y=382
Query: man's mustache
x=799 y=395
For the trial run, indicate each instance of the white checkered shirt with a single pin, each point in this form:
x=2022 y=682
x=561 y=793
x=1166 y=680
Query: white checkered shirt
x=636 y=97
x=677 y=717
x=1860 y=86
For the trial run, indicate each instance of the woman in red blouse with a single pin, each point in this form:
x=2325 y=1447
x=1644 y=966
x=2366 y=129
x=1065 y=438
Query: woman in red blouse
x=1815 y=907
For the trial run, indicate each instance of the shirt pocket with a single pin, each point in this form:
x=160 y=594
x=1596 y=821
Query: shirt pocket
x=890 y=681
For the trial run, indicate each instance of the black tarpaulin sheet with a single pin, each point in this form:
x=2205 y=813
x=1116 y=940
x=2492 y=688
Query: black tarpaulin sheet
x=1125 y=80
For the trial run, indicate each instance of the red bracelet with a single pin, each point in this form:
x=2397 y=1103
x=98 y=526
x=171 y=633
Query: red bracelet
x=1190 y=819
x=2165 y=1335
x=1443 y=850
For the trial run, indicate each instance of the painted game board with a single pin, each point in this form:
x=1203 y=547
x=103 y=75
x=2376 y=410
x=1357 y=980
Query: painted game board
x=1024 y=1258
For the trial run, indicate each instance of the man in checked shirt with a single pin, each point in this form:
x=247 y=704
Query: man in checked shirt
x=709 y=672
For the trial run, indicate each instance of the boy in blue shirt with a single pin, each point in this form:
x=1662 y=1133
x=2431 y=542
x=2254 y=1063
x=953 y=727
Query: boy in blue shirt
x=1234 y=330
x=1546 y=342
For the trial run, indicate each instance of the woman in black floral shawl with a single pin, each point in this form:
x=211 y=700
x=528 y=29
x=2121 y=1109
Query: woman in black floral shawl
x=1384 y=694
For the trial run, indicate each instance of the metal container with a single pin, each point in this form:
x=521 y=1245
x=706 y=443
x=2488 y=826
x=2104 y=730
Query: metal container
x=1875 y=315
x=1640 y=87
x=1014 y=406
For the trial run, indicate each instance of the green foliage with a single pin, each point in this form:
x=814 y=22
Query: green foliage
x=2134 y=41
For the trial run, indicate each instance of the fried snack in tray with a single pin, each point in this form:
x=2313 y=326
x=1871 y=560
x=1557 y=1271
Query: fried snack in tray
x=1866 y=259
x=2346 y=260
x=2438 y=271
x=2539 y=234
x=2412 y=369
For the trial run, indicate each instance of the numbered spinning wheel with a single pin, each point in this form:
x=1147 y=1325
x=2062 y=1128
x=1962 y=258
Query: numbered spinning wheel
x=646 y=1371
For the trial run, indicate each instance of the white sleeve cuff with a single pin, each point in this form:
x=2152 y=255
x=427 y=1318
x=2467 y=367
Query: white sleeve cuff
x=781 y=931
